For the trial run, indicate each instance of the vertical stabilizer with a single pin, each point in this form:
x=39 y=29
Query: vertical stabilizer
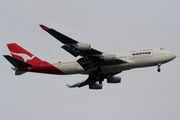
x=21 y=54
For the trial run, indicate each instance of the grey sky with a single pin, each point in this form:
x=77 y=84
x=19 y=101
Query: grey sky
x=110 y=26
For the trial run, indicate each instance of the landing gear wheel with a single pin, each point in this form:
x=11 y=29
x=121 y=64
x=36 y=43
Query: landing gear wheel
x=159 y=69
x=100 y=82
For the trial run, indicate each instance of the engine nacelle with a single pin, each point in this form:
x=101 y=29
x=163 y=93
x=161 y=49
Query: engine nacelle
x=109 y=57
x=83 y=47
x=114 y=79
x=95 y=86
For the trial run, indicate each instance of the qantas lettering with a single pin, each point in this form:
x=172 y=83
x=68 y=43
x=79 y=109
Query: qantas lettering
x=141 y=53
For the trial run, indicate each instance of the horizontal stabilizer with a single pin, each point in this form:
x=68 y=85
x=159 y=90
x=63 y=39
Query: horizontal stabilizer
x=17 y=72
x=17 y=63
x=80 y=84
x=69 y=86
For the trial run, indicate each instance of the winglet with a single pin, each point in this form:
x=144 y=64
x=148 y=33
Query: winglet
x=69 y=86
x=43 y=27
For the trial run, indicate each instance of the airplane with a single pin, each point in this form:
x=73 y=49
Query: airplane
x=89 y=61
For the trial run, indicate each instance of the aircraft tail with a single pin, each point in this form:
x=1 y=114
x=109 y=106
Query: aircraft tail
x=17 y=63
x=19 y=53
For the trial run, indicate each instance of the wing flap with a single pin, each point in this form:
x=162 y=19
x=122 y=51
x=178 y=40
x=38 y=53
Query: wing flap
x=89 y=63
x=71 y=50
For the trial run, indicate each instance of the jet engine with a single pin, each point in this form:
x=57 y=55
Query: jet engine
x=109 y=57
x=114 y=79
x=83 y=47
x=95 y=86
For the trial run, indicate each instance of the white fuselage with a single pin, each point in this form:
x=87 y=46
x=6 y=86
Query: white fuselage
x=134 y=59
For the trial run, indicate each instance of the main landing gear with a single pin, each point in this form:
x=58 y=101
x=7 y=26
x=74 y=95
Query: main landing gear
x=96 y=76
x=159 y=69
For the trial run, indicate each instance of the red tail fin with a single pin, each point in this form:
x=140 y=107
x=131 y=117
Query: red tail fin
x=22 y=54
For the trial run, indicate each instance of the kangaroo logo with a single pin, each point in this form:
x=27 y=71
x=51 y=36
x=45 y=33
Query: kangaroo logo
x=24 y=56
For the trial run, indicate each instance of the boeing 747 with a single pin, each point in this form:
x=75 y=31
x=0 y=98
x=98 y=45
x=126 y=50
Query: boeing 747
x=94 y=63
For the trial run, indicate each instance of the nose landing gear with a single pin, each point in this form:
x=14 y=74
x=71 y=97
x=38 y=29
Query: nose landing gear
x=159 y=69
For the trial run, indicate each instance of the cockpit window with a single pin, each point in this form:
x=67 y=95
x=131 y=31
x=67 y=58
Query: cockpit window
x=161 y=48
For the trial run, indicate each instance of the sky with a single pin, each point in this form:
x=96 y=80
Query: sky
x=109 y=26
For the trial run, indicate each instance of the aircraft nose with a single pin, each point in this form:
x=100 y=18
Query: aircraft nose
x=174 y=56
x=171 y=56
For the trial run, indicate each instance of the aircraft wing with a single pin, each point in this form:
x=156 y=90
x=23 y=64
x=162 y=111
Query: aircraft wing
x=91 y=58
x=70 y=45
